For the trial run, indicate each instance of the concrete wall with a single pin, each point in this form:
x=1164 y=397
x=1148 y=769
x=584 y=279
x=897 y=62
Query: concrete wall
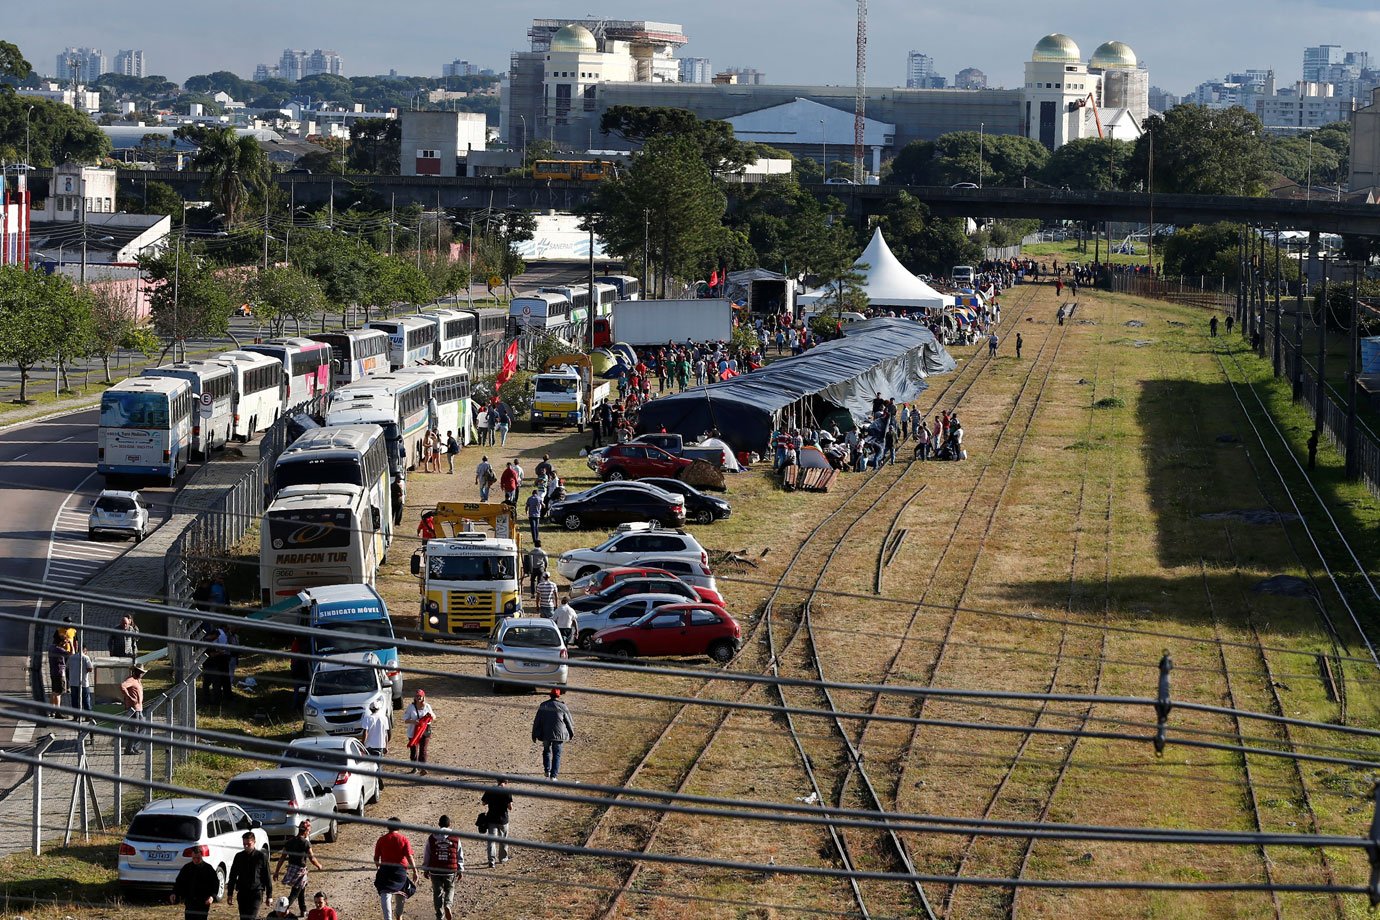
x=444 y=135
x=1365 y=146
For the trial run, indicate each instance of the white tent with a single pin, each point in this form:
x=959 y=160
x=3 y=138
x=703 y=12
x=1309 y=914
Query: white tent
x=888 y=282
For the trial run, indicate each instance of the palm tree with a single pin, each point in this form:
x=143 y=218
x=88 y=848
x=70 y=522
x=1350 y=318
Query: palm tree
x=235 y=167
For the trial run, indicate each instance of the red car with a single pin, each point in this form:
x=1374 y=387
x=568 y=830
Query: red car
x=634 y=461
x=676 y=629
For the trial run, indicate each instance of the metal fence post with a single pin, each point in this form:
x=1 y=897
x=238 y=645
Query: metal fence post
x=42 y=749
x=117 y=793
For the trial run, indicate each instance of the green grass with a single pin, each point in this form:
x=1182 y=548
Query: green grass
x=1069 y=251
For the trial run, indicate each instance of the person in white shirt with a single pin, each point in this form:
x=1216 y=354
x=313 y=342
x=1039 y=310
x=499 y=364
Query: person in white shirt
x=80 y=673
x=418 y=711
x=567 y=621
x=374 y=732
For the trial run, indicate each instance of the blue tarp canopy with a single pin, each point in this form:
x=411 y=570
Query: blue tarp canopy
x=888 y=356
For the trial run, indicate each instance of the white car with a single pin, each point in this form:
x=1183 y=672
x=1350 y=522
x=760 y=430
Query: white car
x=542 y=649
x=631 y=543
x=120 y=513
x=161 y=837
x=342 y=765
x=341 y=691
x=620 y=613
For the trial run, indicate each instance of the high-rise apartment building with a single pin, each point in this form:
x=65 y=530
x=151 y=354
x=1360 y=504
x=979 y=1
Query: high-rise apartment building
x=749 y=76
x=323 y=62
x=919 y=70
x=84 y=65
x=296 y=64
x=131 y=64
x=1318 y=57
x=292 y=65
x=696 y=70
x=459 y=68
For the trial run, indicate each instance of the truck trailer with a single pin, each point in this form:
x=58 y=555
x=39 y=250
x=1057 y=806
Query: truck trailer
x=656 y=322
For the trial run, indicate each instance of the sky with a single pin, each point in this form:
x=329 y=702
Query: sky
x=805 y=41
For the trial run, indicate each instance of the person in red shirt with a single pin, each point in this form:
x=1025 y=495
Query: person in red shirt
x=322 y=910
x=509 y=482
x=393 y=856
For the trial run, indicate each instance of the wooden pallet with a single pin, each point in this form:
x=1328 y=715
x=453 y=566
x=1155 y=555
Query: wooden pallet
x=808 y=479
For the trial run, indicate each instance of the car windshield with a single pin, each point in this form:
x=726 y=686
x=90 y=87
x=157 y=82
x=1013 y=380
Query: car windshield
x=134 y=410
x=263 y=788
x=356 y=636
x=344 y=680
x=470 y=568
x=318 y=470
x=531 y=637
x=555 y=385
x=112 y=505
x=172 y=828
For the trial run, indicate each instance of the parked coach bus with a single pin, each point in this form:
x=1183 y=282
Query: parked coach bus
x=145 y=428
x=317 y=535
x=306 y=363
x=411 y=340
x=350 y=454
x=258 y=384
x=213 y=390
x=456 y=334
x=365 y=403
x=448 y=399
x=355 y=354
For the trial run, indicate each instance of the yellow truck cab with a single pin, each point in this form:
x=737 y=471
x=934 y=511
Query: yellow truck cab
x=470 y=578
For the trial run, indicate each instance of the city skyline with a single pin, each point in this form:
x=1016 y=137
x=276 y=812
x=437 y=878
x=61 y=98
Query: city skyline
x=1182 y=43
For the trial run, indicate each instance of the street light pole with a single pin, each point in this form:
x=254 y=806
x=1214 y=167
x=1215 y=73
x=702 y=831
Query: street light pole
x=523 y=164
x=1353 y=462
x=83 y=226
x=982 y=138
x=823 y=149
x=28 y=157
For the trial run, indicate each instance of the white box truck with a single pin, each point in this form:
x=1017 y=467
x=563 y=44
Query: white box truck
x=656 y=322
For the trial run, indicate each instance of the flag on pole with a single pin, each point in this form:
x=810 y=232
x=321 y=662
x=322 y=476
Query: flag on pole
x=713 y=279
x=510 y=364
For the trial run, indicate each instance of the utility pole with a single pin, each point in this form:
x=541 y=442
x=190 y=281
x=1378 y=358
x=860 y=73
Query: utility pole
x=1278 y=330
x=265 y=231
x=593 y=303
x=1353 y=461
x=392 y=217
x=1260 y=298
x=292 y=216
x=1322 y=350
x=646 y=250
x=438 y=225
x=1240 y=278
x=1298 y=336
x=83 y=221
x=1150 y=188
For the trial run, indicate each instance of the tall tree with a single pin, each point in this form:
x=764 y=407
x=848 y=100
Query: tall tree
x=669 y=200
x=375 y=146
x=1096 y=163
x=48 y=133
x=187 y=300
x=280 y=294
x=28 y=302
x=1201 y=151
x=720 y=150
x=236 y=167
x=114 y=317
x=12 y=66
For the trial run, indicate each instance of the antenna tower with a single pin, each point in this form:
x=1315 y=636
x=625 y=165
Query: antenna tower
x=860 y=98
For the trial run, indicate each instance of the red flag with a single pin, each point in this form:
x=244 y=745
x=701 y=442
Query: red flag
x=419 y=730
x=714 y=278
x=510 y=364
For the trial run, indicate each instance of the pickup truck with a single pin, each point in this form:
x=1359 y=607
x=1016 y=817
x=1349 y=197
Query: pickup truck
x=673 y=444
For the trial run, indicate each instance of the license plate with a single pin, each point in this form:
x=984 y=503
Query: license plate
x=132 y=458
x=258 y=815
x=160 y=855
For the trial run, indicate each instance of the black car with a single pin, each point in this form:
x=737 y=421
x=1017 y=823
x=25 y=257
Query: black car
x=613 y=503
x=700 y=508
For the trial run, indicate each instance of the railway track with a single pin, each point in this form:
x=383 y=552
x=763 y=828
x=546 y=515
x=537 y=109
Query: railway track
x=640 y=831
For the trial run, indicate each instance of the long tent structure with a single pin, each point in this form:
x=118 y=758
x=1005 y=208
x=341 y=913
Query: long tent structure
x=887 y=356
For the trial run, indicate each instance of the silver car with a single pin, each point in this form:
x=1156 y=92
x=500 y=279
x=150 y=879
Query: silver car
x=119 y=513
x=542 y=649
x=620 y=613
x=288 y=791
x=342 y=765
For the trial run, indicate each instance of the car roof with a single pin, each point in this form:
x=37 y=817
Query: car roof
x=348 y=660
x=181 y=806
x=326 y=742
x=529 y=621
x=636 y=570
x=702 y=605
x=117 y=493
x=651 y=595
x=271 y=773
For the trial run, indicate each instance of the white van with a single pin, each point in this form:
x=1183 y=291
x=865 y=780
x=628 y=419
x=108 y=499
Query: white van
x=963 y=274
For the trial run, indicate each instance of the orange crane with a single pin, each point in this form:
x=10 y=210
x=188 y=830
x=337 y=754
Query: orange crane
x=1084 y=103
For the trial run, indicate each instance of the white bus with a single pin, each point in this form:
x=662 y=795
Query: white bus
x=456 y=334
x=145 y=428
x=306 y=363
x=628 y=287
x=346 y=454
x=356 y=353
x=448 y=399
x=258 y=391
x=213 y=389
x=316 y=535
x=546 y=311
x=411 y=340
x=367 y=403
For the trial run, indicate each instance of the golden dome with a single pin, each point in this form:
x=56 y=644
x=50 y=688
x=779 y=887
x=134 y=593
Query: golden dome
x=1056 y=47
x=1113 y=55
x=573 y=38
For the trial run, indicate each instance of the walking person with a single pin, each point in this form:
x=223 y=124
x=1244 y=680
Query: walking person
x=374 y=735
x=484 y=478
x=567 y=620
x=296 y=852
x=80 y=674
x=418 y=718
x=1212 y=326
x=452 y=451
x=58 y=653
x=596 y=430
x=545 y=593
x=132 y=695
x=323 y=910
x=1231 y=320
x=505 y=421
x=992 y=345
x=125 y=643
x=281 y=910
x=535 y=504
x=499 y=802
x=1019 y=342
x=443 y=862
x=888 y=447
x=509 y=483
x=481 y=427
x=922 y=442
x=537 y=564
x=250 y=879
x=552 y=727
x=196 y=887
x=393 y=857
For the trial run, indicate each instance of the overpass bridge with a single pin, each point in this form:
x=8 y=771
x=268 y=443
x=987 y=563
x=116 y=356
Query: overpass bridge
x=860 y=200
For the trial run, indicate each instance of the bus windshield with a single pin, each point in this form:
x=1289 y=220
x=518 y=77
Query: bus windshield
x=470 y=568
x=313 y=472
x=134 y=410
